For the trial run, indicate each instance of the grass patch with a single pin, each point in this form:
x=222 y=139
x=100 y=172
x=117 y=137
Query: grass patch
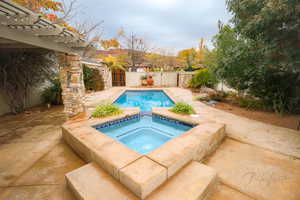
x=105 y=110
x=183 y=108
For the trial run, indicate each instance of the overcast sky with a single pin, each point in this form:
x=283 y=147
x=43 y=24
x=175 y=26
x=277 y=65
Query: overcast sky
x=172 y=24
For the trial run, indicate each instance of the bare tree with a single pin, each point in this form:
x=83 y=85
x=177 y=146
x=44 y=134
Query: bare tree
x=136 y=47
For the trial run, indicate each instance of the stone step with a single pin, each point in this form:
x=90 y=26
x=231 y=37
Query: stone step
x=91 y=182
x=193 y=182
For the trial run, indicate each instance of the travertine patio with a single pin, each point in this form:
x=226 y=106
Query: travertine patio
x=256 y=160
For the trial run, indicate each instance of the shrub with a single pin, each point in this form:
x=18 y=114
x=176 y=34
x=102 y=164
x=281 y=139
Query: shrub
x=202 y=78
x=183 y=108
x=144 y=77
x=256 y=56
x=93 y=80
x=219 y=96
x=202 y=98
x=105 y=110
x=52 y=94
x=250 y=103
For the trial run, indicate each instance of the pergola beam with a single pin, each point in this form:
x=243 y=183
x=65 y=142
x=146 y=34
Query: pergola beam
x=30 y=39
x=24 y=26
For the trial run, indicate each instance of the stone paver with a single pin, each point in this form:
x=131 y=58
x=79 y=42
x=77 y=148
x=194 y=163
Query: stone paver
x=114 y=156
x=195 y=144
x=143 y=176
x=175 y=153
x=92 y=183
x=194 y=182
x=256 y=172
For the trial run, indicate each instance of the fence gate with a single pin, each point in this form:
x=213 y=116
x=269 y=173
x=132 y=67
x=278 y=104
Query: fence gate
x=118 y=77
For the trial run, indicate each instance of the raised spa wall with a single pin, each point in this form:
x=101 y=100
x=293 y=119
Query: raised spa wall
x=142 y=174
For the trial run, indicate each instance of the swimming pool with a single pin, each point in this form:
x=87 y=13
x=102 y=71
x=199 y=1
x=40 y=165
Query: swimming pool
x=145 y=99
x=144 y=132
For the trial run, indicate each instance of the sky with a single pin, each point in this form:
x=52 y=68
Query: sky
x=169 y=24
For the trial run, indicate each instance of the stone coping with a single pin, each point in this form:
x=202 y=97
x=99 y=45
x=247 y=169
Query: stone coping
x=142 y=173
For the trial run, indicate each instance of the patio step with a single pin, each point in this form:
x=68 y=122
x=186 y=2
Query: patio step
x=193 y=182
x=91 y=182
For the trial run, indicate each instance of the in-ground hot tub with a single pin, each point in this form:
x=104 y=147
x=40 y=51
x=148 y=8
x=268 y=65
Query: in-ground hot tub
x=144 y=99
x=143 y=132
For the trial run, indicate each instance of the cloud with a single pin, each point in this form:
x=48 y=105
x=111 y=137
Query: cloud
x=175 y=24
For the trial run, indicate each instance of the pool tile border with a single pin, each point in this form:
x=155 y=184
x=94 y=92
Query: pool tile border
x=165 y=90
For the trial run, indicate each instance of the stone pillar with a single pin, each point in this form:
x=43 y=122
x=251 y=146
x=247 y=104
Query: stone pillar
x=184 y=79
x=71 y=78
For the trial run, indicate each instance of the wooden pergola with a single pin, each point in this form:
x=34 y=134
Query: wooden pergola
x=20 y=28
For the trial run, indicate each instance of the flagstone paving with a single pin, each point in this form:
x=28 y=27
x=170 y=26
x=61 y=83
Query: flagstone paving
x=257 y=161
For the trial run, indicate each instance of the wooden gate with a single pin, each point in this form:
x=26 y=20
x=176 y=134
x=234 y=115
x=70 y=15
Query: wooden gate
x=118 y=77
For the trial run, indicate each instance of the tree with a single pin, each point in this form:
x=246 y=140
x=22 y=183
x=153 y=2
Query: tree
x=41 y=5
x=188 y=56
x=273 y=26
x=136 y=47
x=261 y=51
x=111 y=43
x=112 y=63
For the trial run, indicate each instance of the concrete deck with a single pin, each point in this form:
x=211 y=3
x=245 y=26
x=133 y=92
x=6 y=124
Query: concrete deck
x=259 y=173
x=258 y=162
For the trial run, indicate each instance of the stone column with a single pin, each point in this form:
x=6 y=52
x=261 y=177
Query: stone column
x=71 y=78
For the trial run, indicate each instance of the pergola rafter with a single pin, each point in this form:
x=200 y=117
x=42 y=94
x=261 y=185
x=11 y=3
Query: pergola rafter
x=24 y=26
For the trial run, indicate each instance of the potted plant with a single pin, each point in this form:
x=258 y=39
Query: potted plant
x=150 y=80
x=144 y=80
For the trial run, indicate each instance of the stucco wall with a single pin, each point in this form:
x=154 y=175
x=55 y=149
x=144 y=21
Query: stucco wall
x=160 y=78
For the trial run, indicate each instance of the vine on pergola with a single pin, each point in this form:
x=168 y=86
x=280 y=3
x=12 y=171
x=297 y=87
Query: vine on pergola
x=21 y=71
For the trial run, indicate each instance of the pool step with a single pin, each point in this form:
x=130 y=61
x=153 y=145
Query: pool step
x=193 y=182
x=91 y=182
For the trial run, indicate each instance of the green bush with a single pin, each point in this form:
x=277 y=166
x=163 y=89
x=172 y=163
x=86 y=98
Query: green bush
x=105 y=110
x=218 y=96
x=144 y=77
x=92 y=79
x=203 y=78
x=183 y=108
x=256 y=56
x=52 y=94
x=202 y=98
x=250 y=103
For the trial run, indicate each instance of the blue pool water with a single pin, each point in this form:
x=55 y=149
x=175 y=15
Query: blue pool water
x=144 y=99
x=144 y=133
